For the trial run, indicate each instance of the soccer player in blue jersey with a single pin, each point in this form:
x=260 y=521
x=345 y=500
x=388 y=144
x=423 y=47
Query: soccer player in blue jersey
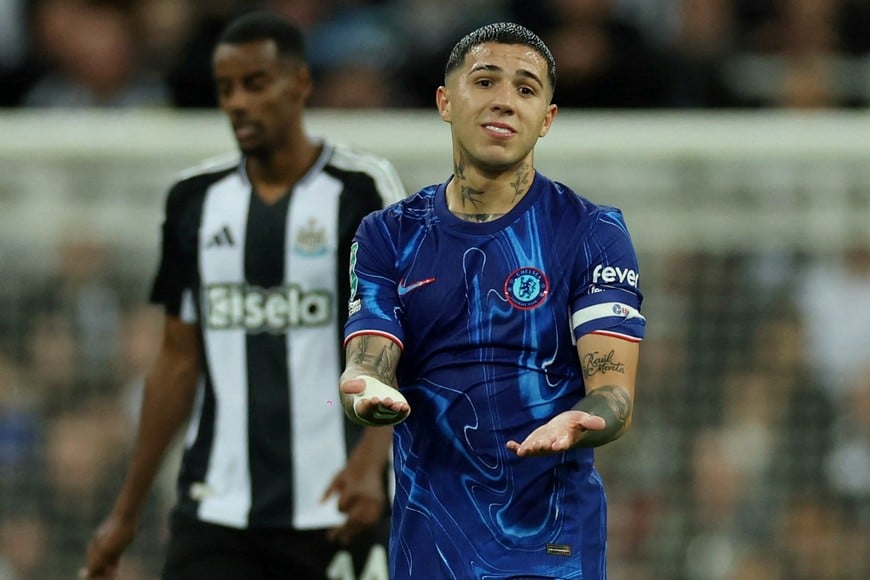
x=506 y=310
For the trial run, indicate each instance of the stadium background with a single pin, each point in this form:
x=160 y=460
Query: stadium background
x=735 y=135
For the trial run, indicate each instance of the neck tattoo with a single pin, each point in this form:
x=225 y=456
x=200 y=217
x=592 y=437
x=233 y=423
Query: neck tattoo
x=469 y=196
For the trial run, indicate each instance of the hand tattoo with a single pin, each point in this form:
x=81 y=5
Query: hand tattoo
x=613 y=404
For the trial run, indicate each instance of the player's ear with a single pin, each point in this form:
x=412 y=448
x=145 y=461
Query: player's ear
x=552 y=109
x=442 y=101
x=304 y=80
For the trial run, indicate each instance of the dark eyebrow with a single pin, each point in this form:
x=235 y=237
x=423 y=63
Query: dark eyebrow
x=247 y=77
x=257 y=74
x=493 y=68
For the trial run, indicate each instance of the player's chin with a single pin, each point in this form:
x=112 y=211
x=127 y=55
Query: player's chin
x=254 y=148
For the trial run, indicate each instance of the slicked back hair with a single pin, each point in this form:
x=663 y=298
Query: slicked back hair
x=501 y=33
x=264 y=25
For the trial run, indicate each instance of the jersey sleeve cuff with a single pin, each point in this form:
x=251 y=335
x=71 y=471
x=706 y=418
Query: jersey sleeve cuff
x=385 y=334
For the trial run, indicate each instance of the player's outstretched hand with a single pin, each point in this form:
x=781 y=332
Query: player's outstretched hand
x=375 y=403
x=559 y=434
x=106 y=546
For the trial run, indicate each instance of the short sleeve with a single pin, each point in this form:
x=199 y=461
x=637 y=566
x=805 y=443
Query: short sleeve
x=168 y=288
x=606 y=298
x=374 y=306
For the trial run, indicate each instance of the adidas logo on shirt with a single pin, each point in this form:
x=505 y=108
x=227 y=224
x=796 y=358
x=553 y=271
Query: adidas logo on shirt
x=223 y=238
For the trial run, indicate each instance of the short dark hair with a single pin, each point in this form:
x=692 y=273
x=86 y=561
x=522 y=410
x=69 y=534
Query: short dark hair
x=502 y=33
x=265 y=25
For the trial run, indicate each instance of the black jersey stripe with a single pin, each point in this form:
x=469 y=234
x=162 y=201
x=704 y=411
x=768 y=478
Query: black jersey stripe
x=195 y=461
x=269 y=434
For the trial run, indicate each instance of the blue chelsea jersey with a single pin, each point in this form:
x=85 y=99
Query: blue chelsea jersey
x=487 y=315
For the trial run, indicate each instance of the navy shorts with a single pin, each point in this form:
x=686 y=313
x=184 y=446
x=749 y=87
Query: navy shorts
x=199 y=550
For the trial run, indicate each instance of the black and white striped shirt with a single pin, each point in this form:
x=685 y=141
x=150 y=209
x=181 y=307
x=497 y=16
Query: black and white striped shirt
x=268 y=287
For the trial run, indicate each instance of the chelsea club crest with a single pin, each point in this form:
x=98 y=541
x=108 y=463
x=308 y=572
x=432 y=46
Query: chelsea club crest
x=526 y=288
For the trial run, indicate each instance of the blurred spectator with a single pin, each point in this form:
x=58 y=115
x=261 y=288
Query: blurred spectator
x=757 y=563
x=854 y=24
x=16 y=70
x=837 y=339
x=806 y=37
x=353 y=48
x=164 y=28
x=808 y=82
x=815 y=543
x=848 y=466
x=65 y=423
x=23 y=544
x=605 y=61
x=713 y=529
x=764 y=431
x=19 y=428
x=53 y=362
x=697 y=53
x=613 y=54
x=646 y=477
x=91 y=51
x=72 y=339
x=354 y=86
x=84 y=450
x=782 y=402
x=189 y=75
x=718 y=309
x=13 y=37
x=81 y=449
x=428 y=29
x=800 y=54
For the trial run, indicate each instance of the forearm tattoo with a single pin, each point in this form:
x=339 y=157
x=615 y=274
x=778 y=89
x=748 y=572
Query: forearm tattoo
x=595 y=363
x=374 y=358
x=613 y=404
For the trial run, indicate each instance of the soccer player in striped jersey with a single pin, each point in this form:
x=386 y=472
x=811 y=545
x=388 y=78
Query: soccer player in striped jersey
x=275 y=483
x=506 y=310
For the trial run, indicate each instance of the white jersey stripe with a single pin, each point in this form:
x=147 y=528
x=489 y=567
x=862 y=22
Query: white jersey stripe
x=226 y=495
x=604 y=310
x=387 y=181
x=316 y=420
x=188 y=312
x=627 y=337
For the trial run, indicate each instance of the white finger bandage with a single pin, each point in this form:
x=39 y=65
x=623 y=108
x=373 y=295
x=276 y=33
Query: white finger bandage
x=377 y=389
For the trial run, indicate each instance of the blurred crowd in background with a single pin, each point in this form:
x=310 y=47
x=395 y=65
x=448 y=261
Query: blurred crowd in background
x=749 y=458
x=750 y=454
x=611 y=54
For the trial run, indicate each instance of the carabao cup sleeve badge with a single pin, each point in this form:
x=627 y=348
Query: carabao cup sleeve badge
x=526 y=288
